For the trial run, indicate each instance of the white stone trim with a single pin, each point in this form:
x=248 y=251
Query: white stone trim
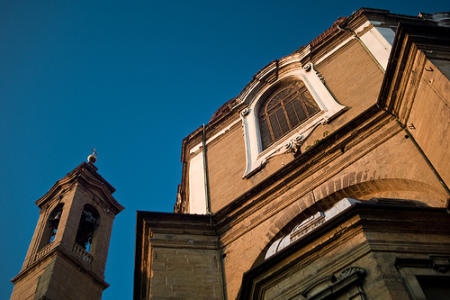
x=197 y=196
x=255 y=157
x=388 y=34
x=197 y=200
x=362 y=27
x=377 y=42
x=309 y=225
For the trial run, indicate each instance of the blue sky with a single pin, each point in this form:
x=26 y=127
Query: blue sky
x=131 y=79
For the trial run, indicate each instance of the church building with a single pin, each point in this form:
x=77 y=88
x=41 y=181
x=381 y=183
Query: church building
x=325 y=178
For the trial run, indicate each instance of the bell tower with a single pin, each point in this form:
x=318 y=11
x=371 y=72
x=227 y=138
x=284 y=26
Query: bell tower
x=67 y=254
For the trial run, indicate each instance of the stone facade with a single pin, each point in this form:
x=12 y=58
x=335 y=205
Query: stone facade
x=58 y=264
x=380 y=139
x=356 y=257
x=184 y=262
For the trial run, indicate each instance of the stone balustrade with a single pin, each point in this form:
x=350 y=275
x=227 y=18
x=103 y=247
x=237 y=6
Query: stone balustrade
x=82 y=254
x=46 y=249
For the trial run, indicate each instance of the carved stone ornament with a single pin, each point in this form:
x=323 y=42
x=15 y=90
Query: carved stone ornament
x=349 y=272
x=245 y=112
x=295 y=144
x=307 y=67
x=342 y=280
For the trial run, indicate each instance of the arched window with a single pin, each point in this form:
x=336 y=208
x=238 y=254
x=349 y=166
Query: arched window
x=89 y=222
x=283 y=110
x=278 y=114
x=53 y=222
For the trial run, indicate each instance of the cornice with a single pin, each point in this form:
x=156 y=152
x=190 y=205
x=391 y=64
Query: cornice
x=406 y=64
x=169 y=223
x=276 y=192
x=352 y=131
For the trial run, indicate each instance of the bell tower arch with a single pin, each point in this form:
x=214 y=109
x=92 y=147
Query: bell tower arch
x=67 y=254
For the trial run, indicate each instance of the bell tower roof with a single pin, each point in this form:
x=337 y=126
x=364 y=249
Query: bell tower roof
x=86 y=174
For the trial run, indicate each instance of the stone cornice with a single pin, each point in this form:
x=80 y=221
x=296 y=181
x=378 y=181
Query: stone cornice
x=352 y=132
x=406 y=65
x=282 y=188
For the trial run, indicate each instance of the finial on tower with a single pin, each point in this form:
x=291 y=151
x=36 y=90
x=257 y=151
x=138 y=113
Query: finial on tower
x=93 y=157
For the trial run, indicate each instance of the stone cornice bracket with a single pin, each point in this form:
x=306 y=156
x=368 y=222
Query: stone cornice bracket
x=245 y=112
x=307 y=67
x=310 y=66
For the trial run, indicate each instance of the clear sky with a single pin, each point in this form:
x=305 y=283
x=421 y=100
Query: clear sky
x=132 y=79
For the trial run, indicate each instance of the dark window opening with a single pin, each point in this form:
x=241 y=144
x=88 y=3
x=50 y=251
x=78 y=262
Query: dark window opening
x=435 y=287
x=53 y=222
x=283 y=110
x=89 y=222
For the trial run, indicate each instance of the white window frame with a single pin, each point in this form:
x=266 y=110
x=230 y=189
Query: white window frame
x=329 y=107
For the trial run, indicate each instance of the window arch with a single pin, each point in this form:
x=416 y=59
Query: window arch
x=283 y=110
x=53 y=222
x=51 y=226
x=89 y=222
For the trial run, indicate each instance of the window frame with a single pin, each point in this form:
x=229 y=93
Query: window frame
x=256 y=156
x=411 y=268
x=267 y=109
